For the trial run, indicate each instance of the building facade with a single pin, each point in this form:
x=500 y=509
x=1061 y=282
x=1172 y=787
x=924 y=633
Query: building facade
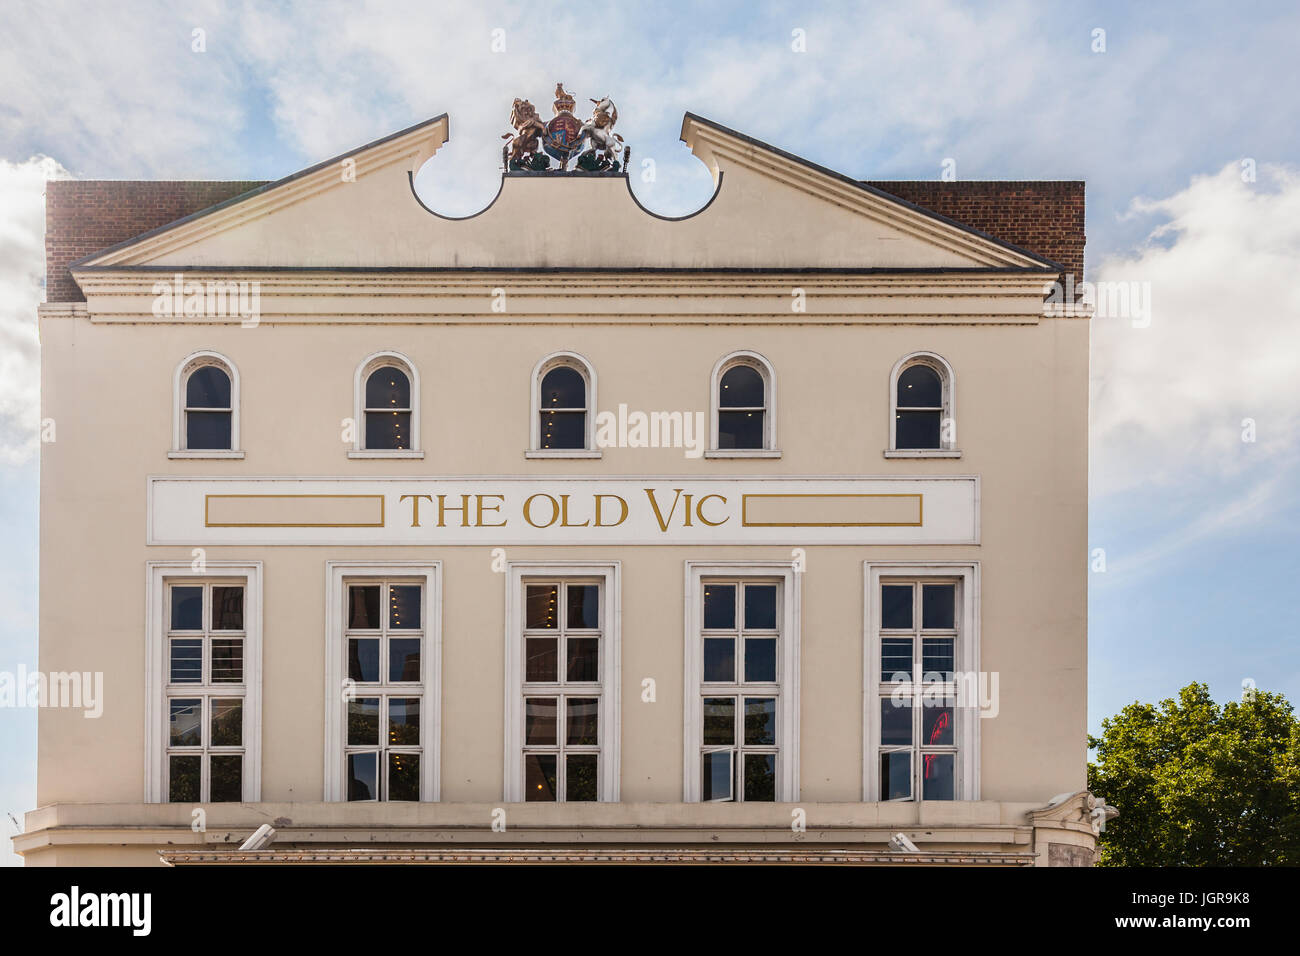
x=565 y=530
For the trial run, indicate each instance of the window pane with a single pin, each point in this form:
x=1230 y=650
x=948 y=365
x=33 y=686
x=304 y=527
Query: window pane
x=581 y=715
x=720 y=607
x=363 y=659
x=207 y=430
x=185 y=722
x=760 y=777
x=539 y=777
x=404 y=659
x=760 y=659
x=563 y=387
x=363 y=778
x=937 y=776
x=896 y=775
x=740 y=429
x=580 y=777
x=539 y=721
x=717 y=776
x=363 y=721
x=760 y=721
x=760 y=607
x=896 y=606
x=936 y=725
x=937 y=658
x=226 y=777
x=540 y=666
x=895 y=659
x=187 y=661
x=719 y=721
x=227 y=722
x=583 y=605
x=404 y=606
x=919 y=387
x=403 y=776
x=208 y=387
x=720 y=659
x=388 y=387
x=183 y=778
x=741 y=387
x=563 y=430
x=227 y=608
x=187 y=609
x=388 y=431
x=227 y=660
x=584 y=658
x=403 y=722
x=917 y=429
x=363 y=607
x=938 y=605
x=540 y=606
x=895 y=721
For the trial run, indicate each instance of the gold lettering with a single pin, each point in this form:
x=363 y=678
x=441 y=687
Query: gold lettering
x=699 y=511
x=621 y=518
x=478 y=523
x=415 y=507
x=654 y=503
x=564 y=514
x=528 y=504
x=463 y=509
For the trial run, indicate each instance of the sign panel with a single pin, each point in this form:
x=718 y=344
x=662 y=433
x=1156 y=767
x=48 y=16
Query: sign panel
x=514 y=510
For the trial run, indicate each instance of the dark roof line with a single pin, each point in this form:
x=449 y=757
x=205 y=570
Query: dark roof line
x=882 y=194
x=259 y=190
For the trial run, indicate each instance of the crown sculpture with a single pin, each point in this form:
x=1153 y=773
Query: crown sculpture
x=597 y=148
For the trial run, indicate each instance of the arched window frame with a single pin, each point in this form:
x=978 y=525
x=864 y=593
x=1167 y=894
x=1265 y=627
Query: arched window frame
x=368 y=365
x=187 y=367
x=948 y=383
x=764 y=368
x=579 y=363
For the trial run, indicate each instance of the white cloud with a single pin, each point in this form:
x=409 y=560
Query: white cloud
x=1223 y=344
x=22 y=266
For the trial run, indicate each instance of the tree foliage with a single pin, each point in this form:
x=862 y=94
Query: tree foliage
x=1197 y=784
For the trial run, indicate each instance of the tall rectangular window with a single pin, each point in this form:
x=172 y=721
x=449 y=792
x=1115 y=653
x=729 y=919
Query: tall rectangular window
x=562 y=660
x=742 y=685
x=203 y=670
x=382 y=671
x=922 y=728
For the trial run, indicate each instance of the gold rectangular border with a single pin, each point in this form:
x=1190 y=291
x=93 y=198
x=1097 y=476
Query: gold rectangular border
x=207 y=523
x=920 y=512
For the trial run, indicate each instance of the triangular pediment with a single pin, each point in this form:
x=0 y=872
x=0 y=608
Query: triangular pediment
x=770 y=211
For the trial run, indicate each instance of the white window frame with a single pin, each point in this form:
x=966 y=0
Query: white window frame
x=948 y=382
x=609 y=722
x=764 y=368
x=187 y=367
x=370 y=364
x=966 y=659
x=159 y=575
x=338 y=575
x=579 y=363
x=787 y=719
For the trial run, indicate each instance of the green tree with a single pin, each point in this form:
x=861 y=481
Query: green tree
x=1197 y=784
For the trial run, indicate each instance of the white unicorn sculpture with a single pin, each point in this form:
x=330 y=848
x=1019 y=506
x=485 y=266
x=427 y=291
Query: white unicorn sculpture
x=599 y=132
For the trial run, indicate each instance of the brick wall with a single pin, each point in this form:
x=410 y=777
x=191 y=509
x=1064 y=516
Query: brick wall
x=1042 y=217
x=84 y=216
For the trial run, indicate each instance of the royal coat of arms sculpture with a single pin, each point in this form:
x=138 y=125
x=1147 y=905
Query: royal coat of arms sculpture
x=592 y=146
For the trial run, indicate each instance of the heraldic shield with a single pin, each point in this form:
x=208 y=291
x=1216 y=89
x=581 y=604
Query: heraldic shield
x=561 y=140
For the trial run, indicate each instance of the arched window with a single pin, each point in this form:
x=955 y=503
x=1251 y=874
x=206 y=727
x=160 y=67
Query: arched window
x=206 y=416
x=744 y=406
x=563 y=407
x=921 y=407
x=387 y=408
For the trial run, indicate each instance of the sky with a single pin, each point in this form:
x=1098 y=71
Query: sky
x=1181 y=117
